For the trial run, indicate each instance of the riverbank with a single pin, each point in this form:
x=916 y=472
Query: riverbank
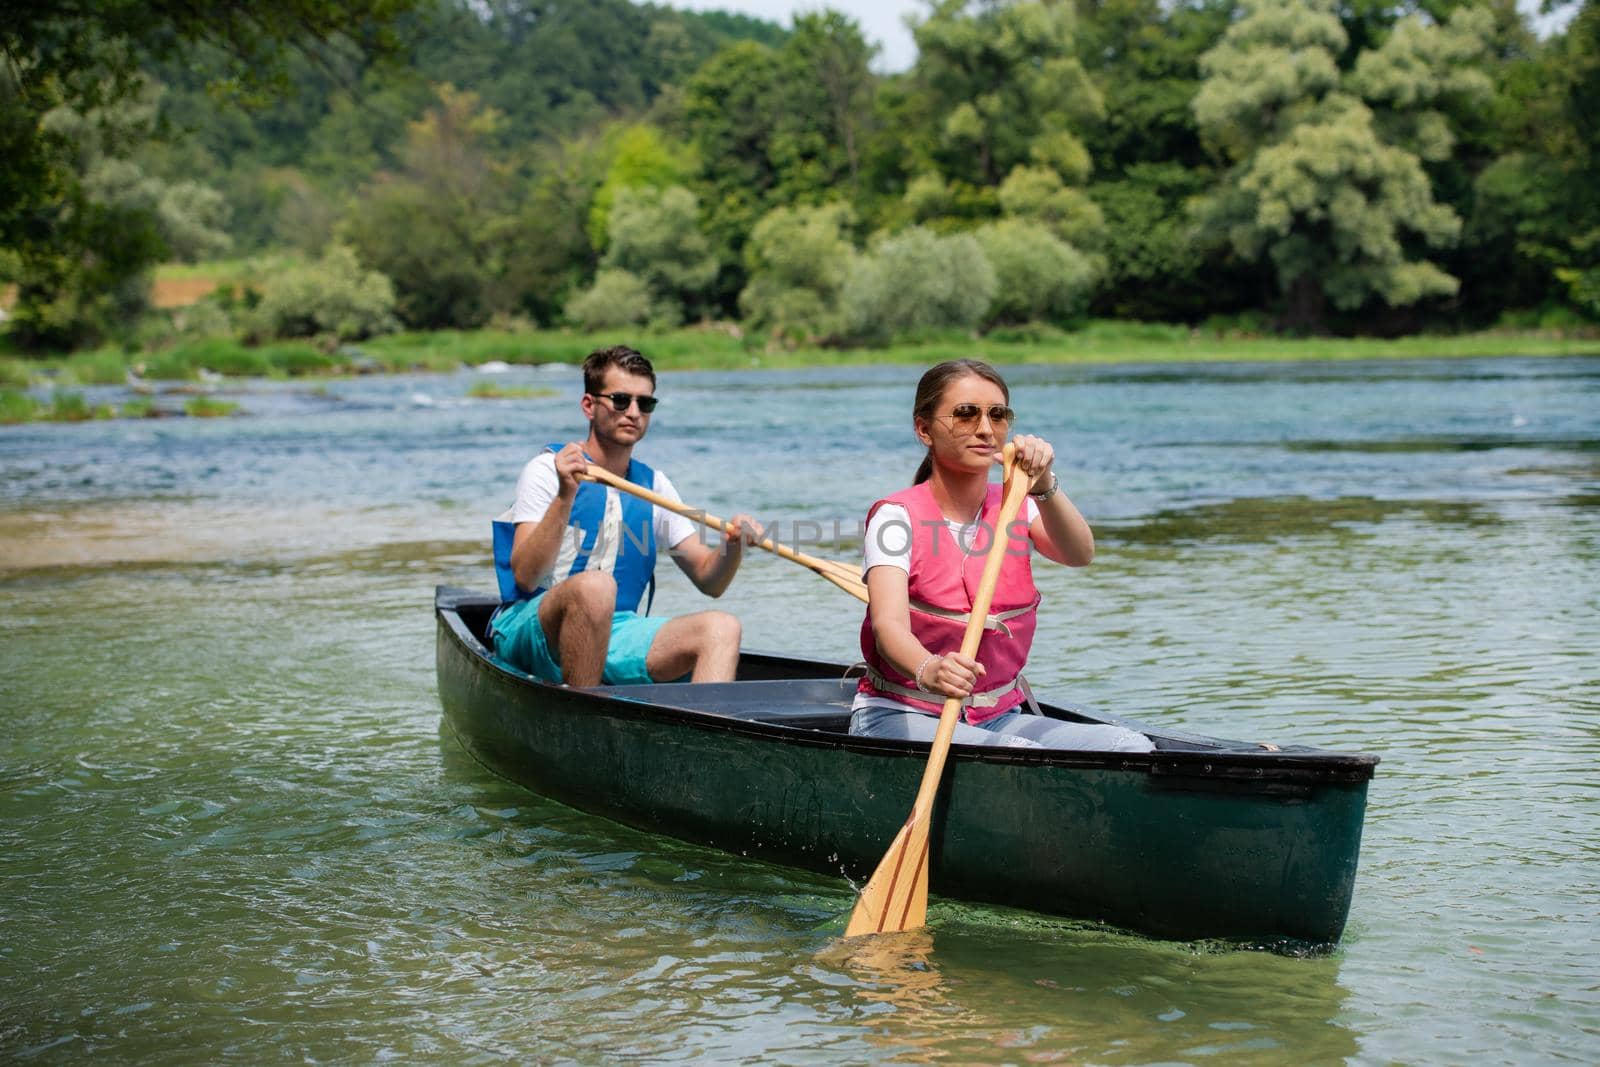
x=41 y=389
x=721 y=347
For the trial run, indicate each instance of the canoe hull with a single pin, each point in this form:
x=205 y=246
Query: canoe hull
x=1169 y=847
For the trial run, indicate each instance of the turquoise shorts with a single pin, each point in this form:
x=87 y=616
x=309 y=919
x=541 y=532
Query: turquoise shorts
x=521 y=642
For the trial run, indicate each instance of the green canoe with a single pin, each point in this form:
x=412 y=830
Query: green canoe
x=1203 y=838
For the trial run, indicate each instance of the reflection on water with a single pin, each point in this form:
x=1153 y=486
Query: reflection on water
x=233 y=829
x=898 y=972
x=1281 y=518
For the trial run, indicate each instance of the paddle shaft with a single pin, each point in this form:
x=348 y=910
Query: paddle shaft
x=840 y=574
x=896 y=896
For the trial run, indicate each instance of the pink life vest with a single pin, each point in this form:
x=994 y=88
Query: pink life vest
x=942 y=584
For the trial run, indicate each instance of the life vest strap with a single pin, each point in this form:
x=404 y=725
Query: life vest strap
x=994 y=621
x=987 y=699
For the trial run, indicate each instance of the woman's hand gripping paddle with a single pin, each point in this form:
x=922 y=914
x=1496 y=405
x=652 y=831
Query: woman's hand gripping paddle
x=896 y=896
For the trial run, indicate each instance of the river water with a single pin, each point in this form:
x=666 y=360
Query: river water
x=233 y=830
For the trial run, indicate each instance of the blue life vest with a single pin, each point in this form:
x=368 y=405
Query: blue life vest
x=628 y=552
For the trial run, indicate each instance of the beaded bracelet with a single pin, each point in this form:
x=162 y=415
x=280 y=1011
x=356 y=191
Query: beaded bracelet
x=918 y=676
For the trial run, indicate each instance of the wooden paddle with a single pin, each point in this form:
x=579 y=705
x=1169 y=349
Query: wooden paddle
x=842 y=575
x=896 y=896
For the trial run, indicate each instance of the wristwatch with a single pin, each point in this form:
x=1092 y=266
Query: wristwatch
x=1055 y=484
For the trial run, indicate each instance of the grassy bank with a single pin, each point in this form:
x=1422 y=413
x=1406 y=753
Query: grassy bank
x=714 y=348
x=723 y=348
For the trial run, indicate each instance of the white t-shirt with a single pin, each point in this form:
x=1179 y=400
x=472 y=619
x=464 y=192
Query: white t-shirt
x=537 y=487
x=888 y=542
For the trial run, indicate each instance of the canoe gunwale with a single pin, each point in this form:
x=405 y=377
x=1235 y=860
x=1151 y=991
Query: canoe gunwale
x=1170 y=767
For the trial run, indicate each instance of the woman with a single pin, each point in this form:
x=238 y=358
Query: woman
x=925 y=549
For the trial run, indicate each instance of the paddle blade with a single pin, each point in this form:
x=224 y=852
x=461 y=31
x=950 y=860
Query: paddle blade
x=896 y=896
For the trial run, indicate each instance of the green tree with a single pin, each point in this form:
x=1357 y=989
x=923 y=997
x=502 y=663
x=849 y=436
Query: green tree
x=86 y=57
x=93 y=277
x=1144 y=55
x=727 y=109
x=1535 y=209
x=656 y=237
x=1005 y=88
x=776 y=127
x=551 y=257
x=823 y=113
x=798 y=259
x=1038 y=195
x=442 y=227
x=641 y=156
x=1155 y=269
x=1329 y=190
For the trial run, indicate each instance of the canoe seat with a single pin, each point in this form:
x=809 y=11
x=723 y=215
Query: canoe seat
x=803 y=703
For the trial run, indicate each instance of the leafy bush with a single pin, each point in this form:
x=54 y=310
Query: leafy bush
x=617 y=298
x=917 y=280
x=296 y=358
x=140 y=407
x=335 y=296
x=1038 y=194
x=168 y=366
x=1026 y=333
x=207 y=407
x=1583 y=287
x=1038 y=276
x=221 y=356
x=1113 y=331
x=205 y=318
x=14 y=374
x=69 y=407
x=194 y=221
x=799 y=259
x=17 y=406
x=100 y=366
x=1236 y=327
x=655 y=235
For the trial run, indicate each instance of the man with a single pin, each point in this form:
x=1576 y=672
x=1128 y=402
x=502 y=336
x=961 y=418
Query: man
x=576 y=560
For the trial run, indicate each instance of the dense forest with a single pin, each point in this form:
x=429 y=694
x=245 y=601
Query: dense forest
x=1344 y=166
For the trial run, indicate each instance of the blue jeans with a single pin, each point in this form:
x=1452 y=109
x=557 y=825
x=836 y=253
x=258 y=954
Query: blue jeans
x=1014 y=728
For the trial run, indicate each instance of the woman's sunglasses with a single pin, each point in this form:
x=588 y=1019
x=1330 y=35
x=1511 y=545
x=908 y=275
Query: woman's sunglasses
x=621 y=401
x=964 y=418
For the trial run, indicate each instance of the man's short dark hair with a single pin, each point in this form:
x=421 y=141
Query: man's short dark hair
x=622 y=357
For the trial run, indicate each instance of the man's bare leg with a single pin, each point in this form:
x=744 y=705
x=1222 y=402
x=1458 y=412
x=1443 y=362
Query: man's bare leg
x=576 y=616
x=705 y=643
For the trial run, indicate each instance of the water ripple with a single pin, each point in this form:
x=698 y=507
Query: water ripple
x=233 y=828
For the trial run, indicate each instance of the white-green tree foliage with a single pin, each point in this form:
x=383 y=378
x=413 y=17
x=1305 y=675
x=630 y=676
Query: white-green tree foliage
x=655 y=235
x=918 y=280
x=617 y=298
x=1327 y=178
x=191 y=218
x=1038 y=276
x=1038 y=195
x=335 y=295
x=798 y=259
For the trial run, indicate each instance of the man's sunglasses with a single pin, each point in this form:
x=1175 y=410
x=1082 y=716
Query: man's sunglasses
x=964 y=418
x=621 y=401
